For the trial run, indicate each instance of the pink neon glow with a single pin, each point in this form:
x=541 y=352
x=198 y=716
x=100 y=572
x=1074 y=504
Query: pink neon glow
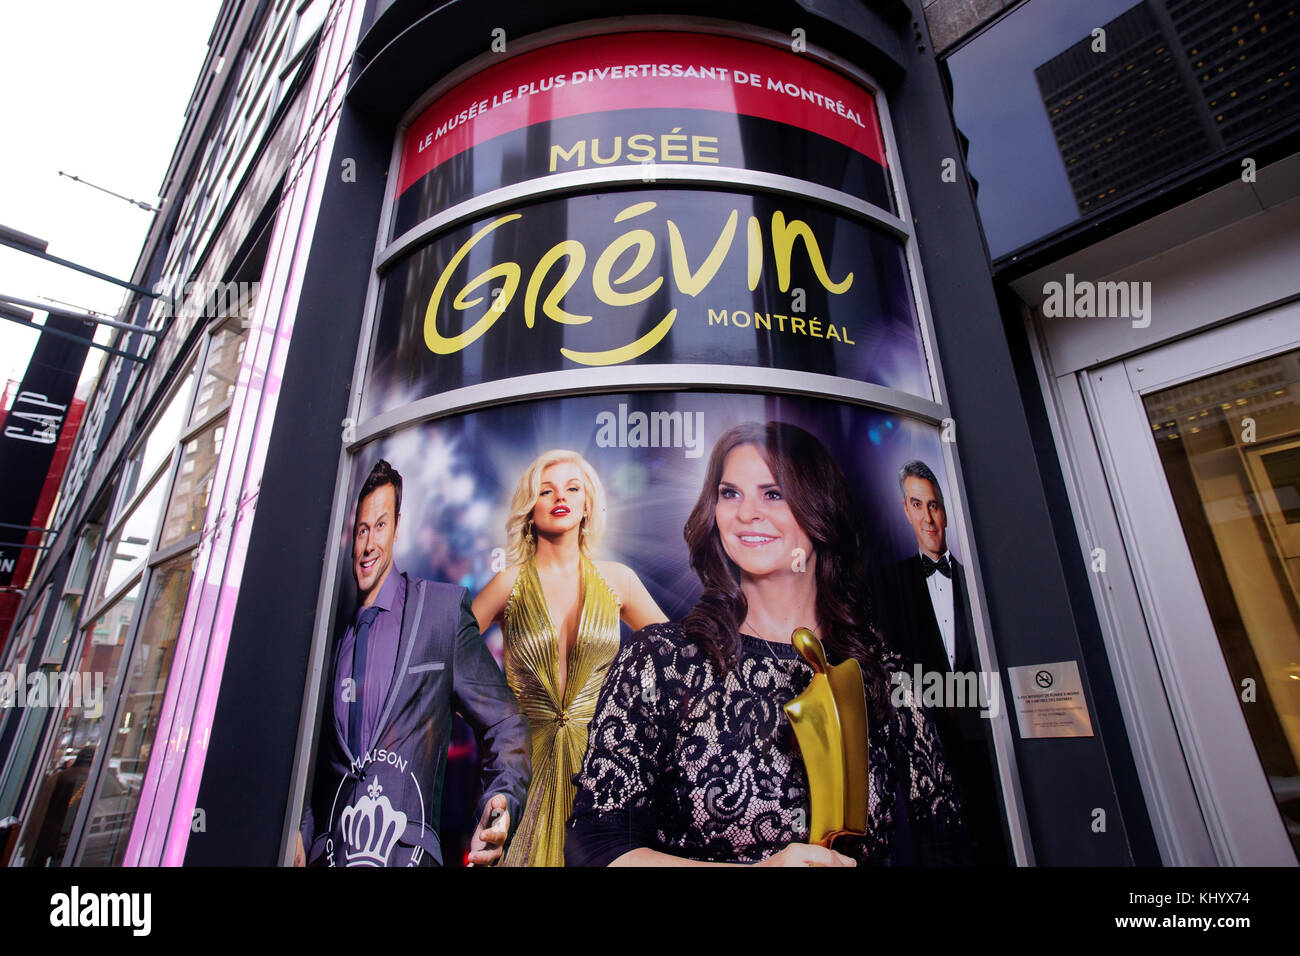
x=162 y=824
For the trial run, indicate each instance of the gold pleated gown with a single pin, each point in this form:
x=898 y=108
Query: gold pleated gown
x=558 y=726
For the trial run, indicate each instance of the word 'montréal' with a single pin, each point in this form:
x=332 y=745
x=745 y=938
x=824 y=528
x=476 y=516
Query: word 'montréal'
x=799 y=325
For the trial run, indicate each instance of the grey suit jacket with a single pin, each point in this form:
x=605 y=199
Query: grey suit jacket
x=381 y=807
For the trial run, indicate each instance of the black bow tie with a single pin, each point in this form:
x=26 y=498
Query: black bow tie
x=929 y=566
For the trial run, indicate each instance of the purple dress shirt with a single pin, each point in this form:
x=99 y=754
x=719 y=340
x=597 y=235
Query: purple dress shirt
x=381 y=658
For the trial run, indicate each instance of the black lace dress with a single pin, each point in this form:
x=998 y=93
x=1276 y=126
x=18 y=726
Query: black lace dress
x=685 y=763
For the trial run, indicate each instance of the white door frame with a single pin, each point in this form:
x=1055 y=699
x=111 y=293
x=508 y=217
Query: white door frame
x=1163 y=624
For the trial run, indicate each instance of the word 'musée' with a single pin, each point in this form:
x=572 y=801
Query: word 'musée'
x=671 y=147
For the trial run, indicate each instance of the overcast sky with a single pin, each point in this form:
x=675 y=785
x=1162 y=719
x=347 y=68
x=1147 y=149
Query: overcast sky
x=98 y=89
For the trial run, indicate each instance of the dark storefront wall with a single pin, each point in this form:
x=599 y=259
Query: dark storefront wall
x=996 y=486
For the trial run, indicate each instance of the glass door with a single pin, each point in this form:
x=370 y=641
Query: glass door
x=1201 y=445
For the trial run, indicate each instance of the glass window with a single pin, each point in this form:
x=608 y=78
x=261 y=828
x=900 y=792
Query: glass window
x=56 y=646
x=193 y=486
x=158 y=445
x=168 y=475
x=220 y=369
x=118 y=796
x=129 y=546
x=1237 y=491
x=135 y=539
x=163 y=435
x=1063 y=121
x=78 y=734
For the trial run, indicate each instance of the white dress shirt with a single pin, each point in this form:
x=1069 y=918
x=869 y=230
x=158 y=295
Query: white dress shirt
x=941 y=599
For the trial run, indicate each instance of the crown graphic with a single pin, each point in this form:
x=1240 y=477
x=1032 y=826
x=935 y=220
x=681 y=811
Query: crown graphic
x=370 y=828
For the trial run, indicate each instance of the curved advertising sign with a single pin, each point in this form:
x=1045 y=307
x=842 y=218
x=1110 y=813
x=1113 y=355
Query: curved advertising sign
x=715 y=271
x=653 y=200
x=647 y=276
x=642 y=99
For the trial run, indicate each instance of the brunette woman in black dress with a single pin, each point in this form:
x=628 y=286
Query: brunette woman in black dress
x=690 y=759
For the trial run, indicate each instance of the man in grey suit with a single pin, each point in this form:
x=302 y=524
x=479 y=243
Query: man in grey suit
x=411 y=656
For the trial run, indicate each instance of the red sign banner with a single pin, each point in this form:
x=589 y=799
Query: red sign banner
x=689 y=71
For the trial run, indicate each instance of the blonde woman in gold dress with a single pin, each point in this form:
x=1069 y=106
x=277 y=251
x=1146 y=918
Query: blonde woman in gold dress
x=559 y=611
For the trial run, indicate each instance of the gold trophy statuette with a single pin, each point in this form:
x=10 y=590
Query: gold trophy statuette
x=830 y=723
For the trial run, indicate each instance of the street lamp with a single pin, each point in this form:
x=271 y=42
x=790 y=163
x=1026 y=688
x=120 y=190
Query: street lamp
x=33 y=246
x=21 y=240
x=24 y=317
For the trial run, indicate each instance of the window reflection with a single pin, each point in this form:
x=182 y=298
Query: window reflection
x=158 y=445
x=217 y=384
x=44 y=839
x=129 y=546
x=1230 y=447
x=115 y=804
x=1063 y=121
x=193 y=487
x=56 y=647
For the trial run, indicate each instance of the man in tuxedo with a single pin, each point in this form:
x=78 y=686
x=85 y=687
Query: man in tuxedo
x=926 y=614
x=411 y=655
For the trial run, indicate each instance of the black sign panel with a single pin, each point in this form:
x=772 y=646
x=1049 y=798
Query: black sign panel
x=647 y=277
x=31 y=432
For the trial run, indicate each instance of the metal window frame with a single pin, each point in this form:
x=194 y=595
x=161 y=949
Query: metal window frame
x=156 y=557
x=165 y=473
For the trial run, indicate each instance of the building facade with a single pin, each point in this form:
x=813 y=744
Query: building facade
x=456 y=236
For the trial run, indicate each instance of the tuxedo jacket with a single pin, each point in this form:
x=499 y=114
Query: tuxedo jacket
x=381 y=807
x=916 y=628
x=909 y=624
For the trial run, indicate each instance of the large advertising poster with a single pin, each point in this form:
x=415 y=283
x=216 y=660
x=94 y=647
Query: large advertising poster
x=645 y=463
x=650 y=451
x=562 y=627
